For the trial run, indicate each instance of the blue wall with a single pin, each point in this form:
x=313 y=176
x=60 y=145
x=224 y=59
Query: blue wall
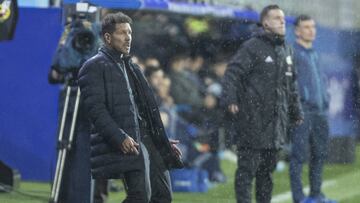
x=28 y=104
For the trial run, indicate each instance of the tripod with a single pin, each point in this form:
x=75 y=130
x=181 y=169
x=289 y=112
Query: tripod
x=64 y=144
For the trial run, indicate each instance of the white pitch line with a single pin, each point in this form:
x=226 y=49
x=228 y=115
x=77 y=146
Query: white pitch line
x=287 y=195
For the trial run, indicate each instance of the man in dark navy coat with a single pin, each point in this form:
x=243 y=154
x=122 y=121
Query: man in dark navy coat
x=128 y=138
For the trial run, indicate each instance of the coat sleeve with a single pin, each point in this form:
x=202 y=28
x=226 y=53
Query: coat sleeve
x=238 y=69
x=92 y=86
x=295 y=109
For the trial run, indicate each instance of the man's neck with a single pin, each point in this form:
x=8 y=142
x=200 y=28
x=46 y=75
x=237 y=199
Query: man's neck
x=269 y=32
x=274 y=38
x=114 y=51
x=305 y=44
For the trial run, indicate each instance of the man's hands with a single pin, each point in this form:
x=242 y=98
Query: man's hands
x=233 y=108
x=175 y=148
x=129 y=146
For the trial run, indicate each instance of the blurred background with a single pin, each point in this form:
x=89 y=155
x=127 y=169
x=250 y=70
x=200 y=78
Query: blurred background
x=183 y=47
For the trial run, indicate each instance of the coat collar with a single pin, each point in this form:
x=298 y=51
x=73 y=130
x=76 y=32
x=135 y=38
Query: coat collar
x=115 y=55
x=302 y=48
x=274 y=39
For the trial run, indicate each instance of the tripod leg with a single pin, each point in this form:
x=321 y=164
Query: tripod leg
x=57 y=180
x=69 y=143
x=61 y=171
x=74 y=117
x=65 y=110
x=92 y=190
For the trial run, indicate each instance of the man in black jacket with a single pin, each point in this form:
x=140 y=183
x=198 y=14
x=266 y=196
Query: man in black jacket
x=128 y=138
x=261 y=94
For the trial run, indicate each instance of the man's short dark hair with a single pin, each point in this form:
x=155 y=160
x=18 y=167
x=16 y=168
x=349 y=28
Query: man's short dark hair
x=301 y=18
x=266 y=11
x=109 y=22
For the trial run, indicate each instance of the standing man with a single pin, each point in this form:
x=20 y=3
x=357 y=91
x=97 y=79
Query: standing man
x=128 y=138
x=314 y=131
x=261 y=94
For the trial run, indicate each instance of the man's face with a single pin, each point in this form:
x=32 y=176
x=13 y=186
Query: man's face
x=156 y=78
x=306 y=30
x=120 y=39
x=275 y=22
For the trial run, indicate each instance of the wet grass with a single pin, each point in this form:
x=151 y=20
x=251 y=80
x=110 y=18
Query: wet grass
x=343 y=185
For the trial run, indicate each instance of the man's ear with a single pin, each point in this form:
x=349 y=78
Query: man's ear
x=107 y=38
x=265 y=24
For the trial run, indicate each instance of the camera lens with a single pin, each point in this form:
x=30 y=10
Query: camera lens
x=83 y=41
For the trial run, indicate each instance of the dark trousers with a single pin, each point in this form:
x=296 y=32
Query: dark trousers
x=312 y=133
x=100 y=190
x=258 y=164
x=151 y=184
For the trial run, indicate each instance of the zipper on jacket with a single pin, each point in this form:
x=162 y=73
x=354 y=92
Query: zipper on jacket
x=131 y=99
